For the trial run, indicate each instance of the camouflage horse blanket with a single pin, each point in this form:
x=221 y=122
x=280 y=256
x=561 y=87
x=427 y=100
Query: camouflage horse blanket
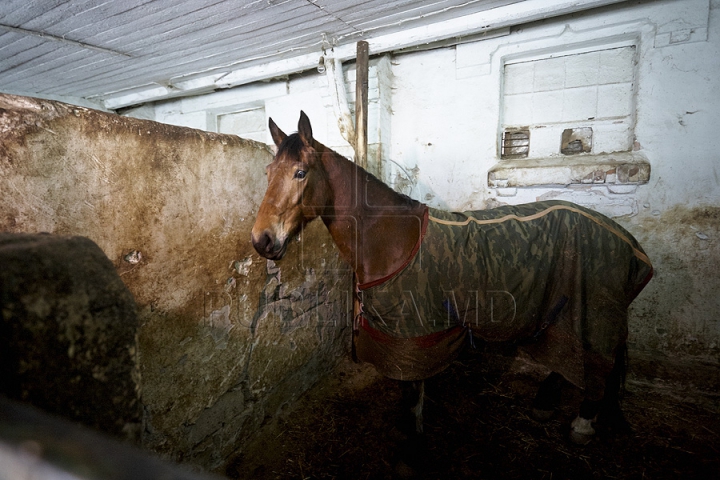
x=554 y=273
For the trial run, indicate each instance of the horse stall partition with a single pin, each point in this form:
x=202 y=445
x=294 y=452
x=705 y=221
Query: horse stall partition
x=225 y=340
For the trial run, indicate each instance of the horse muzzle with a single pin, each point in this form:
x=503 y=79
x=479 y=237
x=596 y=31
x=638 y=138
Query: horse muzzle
x=268 y=246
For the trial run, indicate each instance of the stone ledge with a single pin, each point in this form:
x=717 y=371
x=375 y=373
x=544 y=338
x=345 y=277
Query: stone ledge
x=625 y=168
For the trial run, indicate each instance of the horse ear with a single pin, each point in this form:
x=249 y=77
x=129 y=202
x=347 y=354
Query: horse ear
x=304 y=129
x=277 y=135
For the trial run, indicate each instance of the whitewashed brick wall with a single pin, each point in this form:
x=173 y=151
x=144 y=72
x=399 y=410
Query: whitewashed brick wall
x=592 y=89
x=437 y=116
x=436 y=122
x=249 y=123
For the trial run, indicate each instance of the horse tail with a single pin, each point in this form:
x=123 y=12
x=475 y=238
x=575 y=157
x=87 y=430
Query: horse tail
x=622 y=362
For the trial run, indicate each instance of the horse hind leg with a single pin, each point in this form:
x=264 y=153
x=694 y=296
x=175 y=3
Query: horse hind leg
x=607 y=409
x=548 y=397
x=610 y=414
x=417 y=410
x=581 y=429
x=412 y=406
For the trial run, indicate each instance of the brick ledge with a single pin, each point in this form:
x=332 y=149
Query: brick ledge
x=624 y=168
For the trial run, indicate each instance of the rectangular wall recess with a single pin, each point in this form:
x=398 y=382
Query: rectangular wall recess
x=515 y=143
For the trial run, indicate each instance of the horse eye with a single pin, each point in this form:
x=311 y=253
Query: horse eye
x=300 y=174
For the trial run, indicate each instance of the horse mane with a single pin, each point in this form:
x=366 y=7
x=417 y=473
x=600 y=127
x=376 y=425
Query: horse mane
x=405 y=199
x=292 y=145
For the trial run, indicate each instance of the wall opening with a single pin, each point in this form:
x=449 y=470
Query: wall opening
x=587 y=91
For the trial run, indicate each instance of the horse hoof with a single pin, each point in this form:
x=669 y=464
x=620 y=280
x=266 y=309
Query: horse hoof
x=403 y=470
x=581 y=439
x=397 y=435
x=542 y=416
x=581 y=431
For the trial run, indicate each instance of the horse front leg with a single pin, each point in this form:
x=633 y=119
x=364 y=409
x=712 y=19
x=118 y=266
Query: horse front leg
x=413 y=402
x=411 y=450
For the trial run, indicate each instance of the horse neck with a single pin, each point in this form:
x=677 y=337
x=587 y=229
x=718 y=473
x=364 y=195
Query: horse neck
x=375 y=228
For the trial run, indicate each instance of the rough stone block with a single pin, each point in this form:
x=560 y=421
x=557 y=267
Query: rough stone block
x=615 y=100
x=617 y=65
x=549 y=74
x=580 y=104
x=68 y=330
x=519 y=78
x=582 y=70
x=547 y=107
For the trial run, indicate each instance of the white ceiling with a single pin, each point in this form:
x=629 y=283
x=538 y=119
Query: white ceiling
x=125 y=52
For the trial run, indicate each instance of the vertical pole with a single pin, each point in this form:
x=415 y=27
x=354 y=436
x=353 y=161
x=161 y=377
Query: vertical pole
x=361 y=103
x=361 y=107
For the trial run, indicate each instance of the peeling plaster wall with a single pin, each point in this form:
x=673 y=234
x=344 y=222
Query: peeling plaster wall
x=226 y=339
x=447 y=106
x=442 y=138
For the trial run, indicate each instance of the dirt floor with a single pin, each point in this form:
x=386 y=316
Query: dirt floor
x=478 y=425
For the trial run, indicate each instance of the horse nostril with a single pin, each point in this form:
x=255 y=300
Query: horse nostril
x=264 y=243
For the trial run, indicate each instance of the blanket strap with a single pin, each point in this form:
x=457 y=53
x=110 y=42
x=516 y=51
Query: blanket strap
x=358 y=309
x=549 y=319
x=450 y=309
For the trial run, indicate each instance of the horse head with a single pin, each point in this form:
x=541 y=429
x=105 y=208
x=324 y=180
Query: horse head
x=298 y=190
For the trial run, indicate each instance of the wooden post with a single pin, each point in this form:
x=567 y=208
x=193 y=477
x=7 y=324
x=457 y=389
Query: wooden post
x=361 y=107
x=361 y=103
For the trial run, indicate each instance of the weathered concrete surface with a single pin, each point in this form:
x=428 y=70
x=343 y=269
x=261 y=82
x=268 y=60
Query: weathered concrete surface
x=678 y=311
x=67 y=331
x=225 y=339
x=38 y=446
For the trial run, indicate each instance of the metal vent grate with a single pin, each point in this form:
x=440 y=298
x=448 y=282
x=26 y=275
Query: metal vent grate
x=515 y=144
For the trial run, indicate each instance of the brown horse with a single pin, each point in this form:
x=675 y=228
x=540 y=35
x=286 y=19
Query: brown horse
x=552 y=275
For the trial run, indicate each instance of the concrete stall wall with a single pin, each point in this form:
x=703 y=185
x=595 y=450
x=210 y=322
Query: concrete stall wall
x=641 y=77
x=226 y=339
